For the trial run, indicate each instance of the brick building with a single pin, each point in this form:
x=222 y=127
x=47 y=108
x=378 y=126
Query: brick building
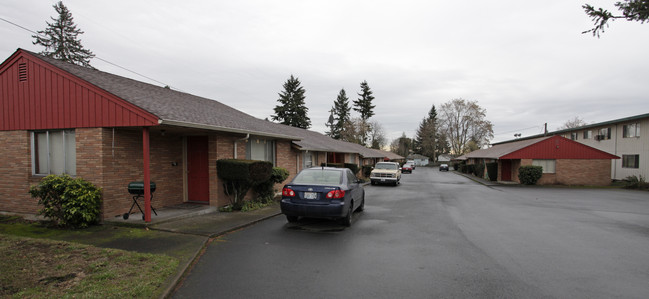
x=564 y=161
x=61 y=118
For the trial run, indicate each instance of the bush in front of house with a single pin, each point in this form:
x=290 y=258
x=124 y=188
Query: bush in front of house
x=367 y=170
x=478 y=170
x=636 y=182
x=530 y=174
x=240 y=175
x=492 y=171
x=469 y=168
x=266 y=190
x=68 y=202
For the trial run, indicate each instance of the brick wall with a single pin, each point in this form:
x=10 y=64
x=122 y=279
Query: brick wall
x=122 y=162
x=15 y=173
x=584 y=172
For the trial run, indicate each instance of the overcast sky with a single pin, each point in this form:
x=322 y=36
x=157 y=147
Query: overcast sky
x=525 y=62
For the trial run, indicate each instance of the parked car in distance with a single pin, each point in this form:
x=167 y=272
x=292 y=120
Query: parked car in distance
x=406 y=168
x=386 y=173
x=323 y=192
x=411 y=162
x=443 y=167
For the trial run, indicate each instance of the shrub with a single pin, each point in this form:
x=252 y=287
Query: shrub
x=478 y=170
x=367 y=170
x=636 y=182
x=469 y=168
x=240 y=176
x=492 y=171
x=530 y=174
x=68 y=202
x=266 y=190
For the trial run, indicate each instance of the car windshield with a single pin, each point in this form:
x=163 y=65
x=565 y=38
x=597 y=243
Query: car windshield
x=319 y=177
x=386 y=166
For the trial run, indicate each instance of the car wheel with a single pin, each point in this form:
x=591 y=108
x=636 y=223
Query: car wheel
x=347 y=220
x=291 y=219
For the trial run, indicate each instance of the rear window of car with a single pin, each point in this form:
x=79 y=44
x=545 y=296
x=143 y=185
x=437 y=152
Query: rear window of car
x=319 y=177
x=386 y=166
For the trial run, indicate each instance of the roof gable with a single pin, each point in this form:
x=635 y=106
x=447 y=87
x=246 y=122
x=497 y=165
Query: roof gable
x=557 y=147
x=38 y=95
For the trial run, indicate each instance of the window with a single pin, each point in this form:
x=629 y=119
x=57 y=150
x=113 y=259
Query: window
x=630 y=161
x=631 y=130
x=308 y=160
x=604 y=134
x=261 y=149
x=574 y=136
x=588 y=134
x=54 y=152
x=352 y=158
x=548 y=165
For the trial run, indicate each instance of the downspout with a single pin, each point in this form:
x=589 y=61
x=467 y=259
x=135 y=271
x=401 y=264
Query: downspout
x=237 y=141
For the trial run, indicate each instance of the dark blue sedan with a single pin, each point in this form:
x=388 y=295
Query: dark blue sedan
x=323 y=192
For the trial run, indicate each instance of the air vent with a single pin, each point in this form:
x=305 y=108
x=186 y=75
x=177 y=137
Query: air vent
x=22 y=72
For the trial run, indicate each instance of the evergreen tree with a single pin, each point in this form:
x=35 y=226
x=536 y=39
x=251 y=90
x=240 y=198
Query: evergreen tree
x=425 y=138
x=364 y=106
x=60 y=39
x=341 y=113
x=292 y=110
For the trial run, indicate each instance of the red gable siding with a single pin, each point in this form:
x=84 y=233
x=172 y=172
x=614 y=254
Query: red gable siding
x=36 y=95
x=558 y=147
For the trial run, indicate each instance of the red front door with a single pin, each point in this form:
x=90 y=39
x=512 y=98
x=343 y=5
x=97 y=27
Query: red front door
x=198 y=183
x=506 y=171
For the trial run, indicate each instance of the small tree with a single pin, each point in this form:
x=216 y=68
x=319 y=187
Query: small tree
x=60 y=39
x=292 y=110
x=68 y=202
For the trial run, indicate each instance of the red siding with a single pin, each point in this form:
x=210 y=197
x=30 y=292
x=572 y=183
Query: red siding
x=558 y=147
x=51 y=98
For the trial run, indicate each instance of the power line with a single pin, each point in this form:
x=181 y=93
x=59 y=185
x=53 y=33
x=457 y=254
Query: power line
x=99 y=58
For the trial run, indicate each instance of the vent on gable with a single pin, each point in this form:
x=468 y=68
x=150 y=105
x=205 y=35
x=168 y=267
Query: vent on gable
x=22 y=72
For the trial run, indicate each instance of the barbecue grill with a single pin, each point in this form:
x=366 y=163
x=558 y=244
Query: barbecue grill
x=137 y=190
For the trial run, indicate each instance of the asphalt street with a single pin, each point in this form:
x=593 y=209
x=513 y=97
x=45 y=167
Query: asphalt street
x=441 y=235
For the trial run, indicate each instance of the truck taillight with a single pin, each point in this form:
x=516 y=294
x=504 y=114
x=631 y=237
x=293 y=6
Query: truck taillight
x=288 y=192
x=336 y=194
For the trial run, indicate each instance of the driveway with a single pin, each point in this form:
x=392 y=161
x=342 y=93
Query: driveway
x=439 y=234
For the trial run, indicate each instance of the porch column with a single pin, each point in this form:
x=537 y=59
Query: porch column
x=147 y=175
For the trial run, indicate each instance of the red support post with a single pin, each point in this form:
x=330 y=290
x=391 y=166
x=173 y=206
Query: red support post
x=147 y=175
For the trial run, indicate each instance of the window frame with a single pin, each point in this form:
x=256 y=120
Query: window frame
x=631 y=130
x=69 y=153
x=544 y=162
x=269 y=149
x=635 y=161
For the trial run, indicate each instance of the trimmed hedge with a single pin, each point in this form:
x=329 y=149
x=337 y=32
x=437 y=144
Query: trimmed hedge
x=244 y=170
x=492 y=171
x=240 y=176
x=367 y=170
x=530 y=174
x=266 y=190
x=478 y=170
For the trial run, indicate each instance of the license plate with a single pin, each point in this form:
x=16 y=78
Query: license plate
x=310 y=195
x=382 y=180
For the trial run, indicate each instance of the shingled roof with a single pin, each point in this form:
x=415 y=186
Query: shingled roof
x=175 y=108
x=172 y=107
